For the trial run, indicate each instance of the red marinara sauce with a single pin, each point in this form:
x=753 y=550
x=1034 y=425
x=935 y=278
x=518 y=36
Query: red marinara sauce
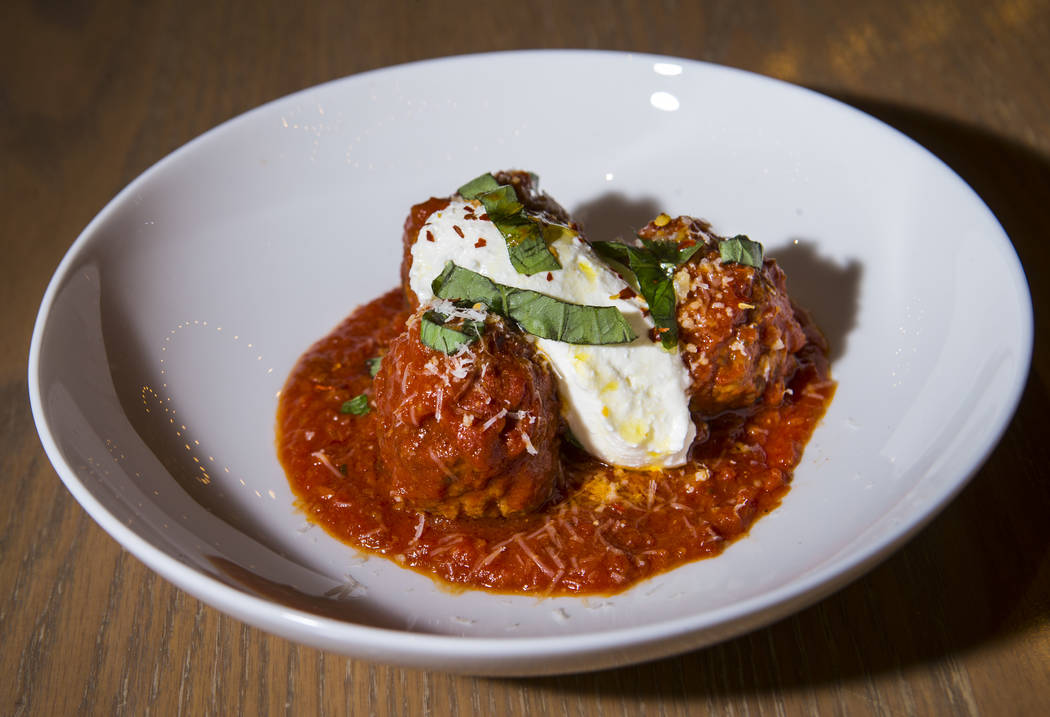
x=608 y=528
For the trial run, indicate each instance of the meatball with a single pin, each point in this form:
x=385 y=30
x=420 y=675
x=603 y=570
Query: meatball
x=473 y=433
x=525 y=186
x=738 y=330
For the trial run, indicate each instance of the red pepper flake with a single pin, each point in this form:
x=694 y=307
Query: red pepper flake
x=656 y=332
x=627 y=293
x=430 y=235
x=550 y=276
x=485 y=217
x=480 y=243
x=458 y=231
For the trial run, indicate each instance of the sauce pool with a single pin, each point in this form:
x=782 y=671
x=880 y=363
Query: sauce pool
x=608 y=529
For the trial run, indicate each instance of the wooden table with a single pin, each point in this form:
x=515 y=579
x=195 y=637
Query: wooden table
x=958 y=622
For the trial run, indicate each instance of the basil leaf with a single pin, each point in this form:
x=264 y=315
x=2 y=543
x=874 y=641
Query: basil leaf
x=454 y=282
x=532 y=256
x=526 y=246
x=358 y=405
x=433 y=333
x=662 y=309
x=653 y=265
x=614 y=250
x=501 y=202
x=539 y=314
x=740 y=250
x=479 y=185
x=551 y=318
x=526 y=236
x=527 y=249
x=686 y=254
x=616 y=258
x=373 y=365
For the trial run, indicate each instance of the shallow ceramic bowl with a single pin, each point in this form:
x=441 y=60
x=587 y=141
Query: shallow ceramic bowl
x=169 y=327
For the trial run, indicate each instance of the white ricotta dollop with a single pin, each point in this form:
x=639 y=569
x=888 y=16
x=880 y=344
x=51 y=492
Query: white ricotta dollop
x=625 y=403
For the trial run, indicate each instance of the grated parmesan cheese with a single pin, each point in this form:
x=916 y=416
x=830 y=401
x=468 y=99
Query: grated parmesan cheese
x=449 y=309
x=419 y=529
x=488 y=424
x=326 y=462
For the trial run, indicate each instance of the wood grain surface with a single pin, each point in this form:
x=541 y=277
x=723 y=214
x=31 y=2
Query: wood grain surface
x=93 y=93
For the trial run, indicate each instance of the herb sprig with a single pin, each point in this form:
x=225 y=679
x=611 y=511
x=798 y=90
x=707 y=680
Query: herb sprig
x=653 y=264
x=539 y=314
x=740 y=250
x=527 y=236
x=434 y=333
x=358 y=405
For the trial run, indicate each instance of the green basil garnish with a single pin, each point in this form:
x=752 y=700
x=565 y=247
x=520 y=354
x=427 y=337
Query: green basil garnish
x=653 y=265
x=526 y=236
x=539 y=314
x=434 y=333
x=478 y=185
x=740 y=250
x=373 y=365
x=358 y=405
x=501 y=202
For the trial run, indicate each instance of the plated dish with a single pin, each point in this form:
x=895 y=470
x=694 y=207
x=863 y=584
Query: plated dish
x=167 y=332
x=537 y=411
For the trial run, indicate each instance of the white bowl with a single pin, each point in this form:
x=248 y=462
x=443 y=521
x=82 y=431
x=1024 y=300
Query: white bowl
x=171 y=324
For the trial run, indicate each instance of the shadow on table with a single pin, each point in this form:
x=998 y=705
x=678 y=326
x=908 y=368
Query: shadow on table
x=973 y=576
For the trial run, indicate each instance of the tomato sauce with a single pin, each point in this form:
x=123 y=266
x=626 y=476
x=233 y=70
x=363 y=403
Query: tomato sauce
x=608 y=528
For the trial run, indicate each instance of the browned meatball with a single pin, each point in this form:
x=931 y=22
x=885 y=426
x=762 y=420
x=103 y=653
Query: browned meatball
x=738 y=330
x=474 y=433
x=525 y=186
